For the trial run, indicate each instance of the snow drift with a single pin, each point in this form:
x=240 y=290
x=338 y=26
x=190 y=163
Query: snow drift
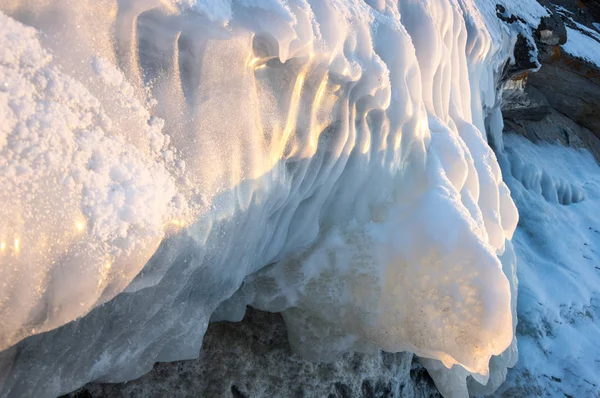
x=165 y=163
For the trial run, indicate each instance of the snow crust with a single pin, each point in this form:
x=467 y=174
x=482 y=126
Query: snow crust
x=325 y=159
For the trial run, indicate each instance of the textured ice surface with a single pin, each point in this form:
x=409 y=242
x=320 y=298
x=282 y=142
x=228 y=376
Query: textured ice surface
x=329 y=157
x=82 y=208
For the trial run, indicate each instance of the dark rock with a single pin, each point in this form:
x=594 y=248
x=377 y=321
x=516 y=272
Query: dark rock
x=236 y=393
x=593 y=8
x=524 y=59
x=571 y=86
x=555 y=128
x=551 y=31
x=78 y=394
x=588 y=9
x=527 y=104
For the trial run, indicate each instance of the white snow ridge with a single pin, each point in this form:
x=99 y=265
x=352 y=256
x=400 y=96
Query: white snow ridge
x=165 y=163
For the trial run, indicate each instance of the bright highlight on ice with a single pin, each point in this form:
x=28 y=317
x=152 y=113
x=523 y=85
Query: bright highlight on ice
x=329 y=155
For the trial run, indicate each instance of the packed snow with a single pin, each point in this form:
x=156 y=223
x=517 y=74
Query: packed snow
x=165 y=163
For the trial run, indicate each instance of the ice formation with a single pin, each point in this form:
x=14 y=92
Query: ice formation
x=165 y=162
x=557 y=191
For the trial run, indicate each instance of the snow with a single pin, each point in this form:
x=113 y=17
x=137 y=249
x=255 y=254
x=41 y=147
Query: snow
x=582 y=46
x=563 y=11
x=81 y=207
x=325 y=159
x=528 y=14
x=557 y=191
x=529 y=10
x=590 y=32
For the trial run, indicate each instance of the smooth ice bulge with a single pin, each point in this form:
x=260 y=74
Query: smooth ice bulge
x=164 y=163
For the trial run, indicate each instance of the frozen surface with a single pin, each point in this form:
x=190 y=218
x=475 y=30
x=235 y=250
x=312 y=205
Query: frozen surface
x=82 y=208
x=557 y=191
x=325 y=159
x=583 y=46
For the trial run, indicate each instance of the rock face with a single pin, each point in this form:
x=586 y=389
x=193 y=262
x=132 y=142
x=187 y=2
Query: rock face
x=528 y=104
x=554 y=127
x=570 y=84
x=551 y=31
x=252 y=358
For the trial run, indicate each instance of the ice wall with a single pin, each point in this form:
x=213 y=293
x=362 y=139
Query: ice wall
x=161 y=160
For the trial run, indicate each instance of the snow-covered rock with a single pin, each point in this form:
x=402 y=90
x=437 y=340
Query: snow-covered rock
x=570 y=73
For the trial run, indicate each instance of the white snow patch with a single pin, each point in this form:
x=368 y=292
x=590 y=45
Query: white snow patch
x=562 y=10
x=530 y=10
x=584 y=28
x=582 y=46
